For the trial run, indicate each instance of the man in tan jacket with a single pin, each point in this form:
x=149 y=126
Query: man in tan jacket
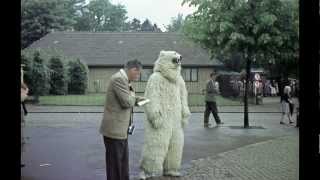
x=120 y=100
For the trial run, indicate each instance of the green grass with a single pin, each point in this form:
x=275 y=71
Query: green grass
x=89 y=99
x=99 y=99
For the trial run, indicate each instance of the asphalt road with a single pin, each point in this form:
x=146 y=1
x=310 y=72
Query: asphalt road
x=67 y=146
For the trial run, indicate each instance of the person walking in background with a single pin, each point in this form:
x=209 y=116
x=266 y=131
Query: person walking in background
x=276 y=86
x=273 y=88
x=267 y=88
x=212 y=89
x=298 y=88
x=241 y=90
x=297 y=110
x=292 y=95
x=285 y=100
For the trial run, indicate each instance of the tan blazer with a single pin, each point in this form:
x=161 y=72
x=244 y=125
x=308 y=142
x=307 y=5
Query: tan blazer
x=117 y=109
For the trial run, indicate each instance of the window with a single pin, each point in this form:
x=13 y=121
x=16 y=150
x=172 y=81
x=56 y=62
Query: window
x=194 y=74
x=145 y=74
x=190 y=74
x=186 y=74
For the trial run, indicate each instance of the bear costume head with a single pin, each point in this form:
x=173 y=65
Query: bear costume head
x=169 y=65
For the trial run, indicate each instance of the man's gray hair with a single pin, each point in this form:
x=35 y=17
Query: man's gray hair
x=133 y=64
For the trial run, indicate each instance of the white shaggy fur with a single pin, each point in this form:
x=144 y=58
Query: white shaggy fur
x=166 y=116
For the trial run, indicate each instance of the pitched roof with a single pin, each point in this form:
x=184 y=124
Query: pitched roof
x=113 y=49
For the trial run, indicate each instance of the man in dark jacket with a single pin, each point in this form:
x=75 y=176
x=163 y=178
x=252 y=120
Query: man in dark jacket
x=212 y=89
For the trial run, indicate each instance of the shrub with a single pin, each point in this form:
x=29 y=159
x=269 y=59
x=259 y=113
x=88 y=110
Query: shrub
x=58 y=77
x=78 y=77
x=39 y=76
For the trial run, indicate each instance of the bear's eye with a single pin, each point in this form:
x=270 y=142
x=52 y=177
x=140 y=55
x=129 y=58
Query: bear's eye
x=176 y=60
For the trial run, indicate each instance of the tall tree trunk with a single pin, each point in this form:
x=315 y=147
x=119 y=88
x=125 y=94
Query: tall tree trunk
x=249 y=52
x=248 y=67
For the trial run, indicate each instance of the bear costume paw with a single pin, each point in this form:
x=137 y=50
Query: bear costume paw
x=185 y=117
x=155 y=120
x=172 y=173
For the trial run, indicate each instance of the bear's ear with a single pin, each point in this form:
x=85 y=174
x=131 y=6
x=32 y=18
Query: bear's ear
x=162 y=53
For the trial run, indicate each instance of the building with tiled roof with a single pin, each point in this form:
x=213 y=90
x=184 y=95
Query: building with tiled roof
x=106 y=52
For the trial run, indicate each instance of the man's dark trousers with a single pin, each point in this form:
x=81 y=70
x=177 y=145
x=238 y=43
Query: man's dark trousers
x=211 y=106
x=117 y=158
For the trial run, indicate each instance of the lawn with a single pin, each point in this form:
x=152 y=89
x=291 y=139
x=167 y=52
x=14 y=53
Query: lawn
x=89 y=99
x=99 y=99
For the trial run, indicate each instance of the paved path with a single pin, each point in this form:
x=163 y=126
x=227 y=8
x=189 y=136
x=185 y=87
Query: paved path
x=275 y=159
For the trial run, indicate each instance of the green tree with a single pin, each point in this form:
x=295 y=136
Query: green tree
x=101 y=15
x=126 y=26
x=156 y=28
x=78 y=77
x=176 y=24
x=74 y=7
x=235 y=62
x=58 y=78
x=98 y=13
x=40 y=75
x=147 y=26
x=76 y=11
x=258 y=29
x=116 y=19
x=27 y=62
x=135 y=25
x=83 y=19
x=40 y=17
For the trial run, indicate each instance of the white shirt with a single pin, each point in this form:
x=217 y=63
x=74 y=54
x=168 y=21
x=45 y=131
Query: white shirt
x=123 y=72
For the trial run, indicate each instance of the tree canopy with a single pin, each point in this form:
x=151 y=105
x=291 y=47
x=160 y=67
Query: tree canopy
x=261 y=30
x=101 y=15
x=38 y=18
x=176 y=24
x=264 y=30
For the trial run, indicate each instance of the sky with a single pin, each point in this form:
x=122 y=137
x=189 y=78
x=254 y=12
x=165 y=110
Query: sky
x=157 y=11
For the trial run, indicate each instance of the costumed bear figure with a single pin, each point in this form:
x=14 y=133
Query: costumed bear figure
x=166 y=116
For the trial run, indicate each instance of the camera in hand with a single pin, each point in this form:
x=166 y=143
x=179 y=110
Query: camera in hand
x=131 y=88
x=130 y=129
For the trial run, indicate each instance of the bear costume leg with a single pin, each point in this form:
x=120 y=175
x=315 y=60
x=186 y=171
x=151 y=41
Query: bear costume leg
x=154 y=152
x=173 y=159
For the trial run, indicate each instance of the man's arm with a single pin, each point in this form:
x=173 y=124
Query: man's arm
x=216 y=87
x=209 y=87
x=126 y=98
x=24 y=108
x=24 y=94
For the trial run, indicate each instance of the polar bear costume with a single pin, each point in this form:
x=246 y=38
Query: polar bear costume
x=166 y=116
